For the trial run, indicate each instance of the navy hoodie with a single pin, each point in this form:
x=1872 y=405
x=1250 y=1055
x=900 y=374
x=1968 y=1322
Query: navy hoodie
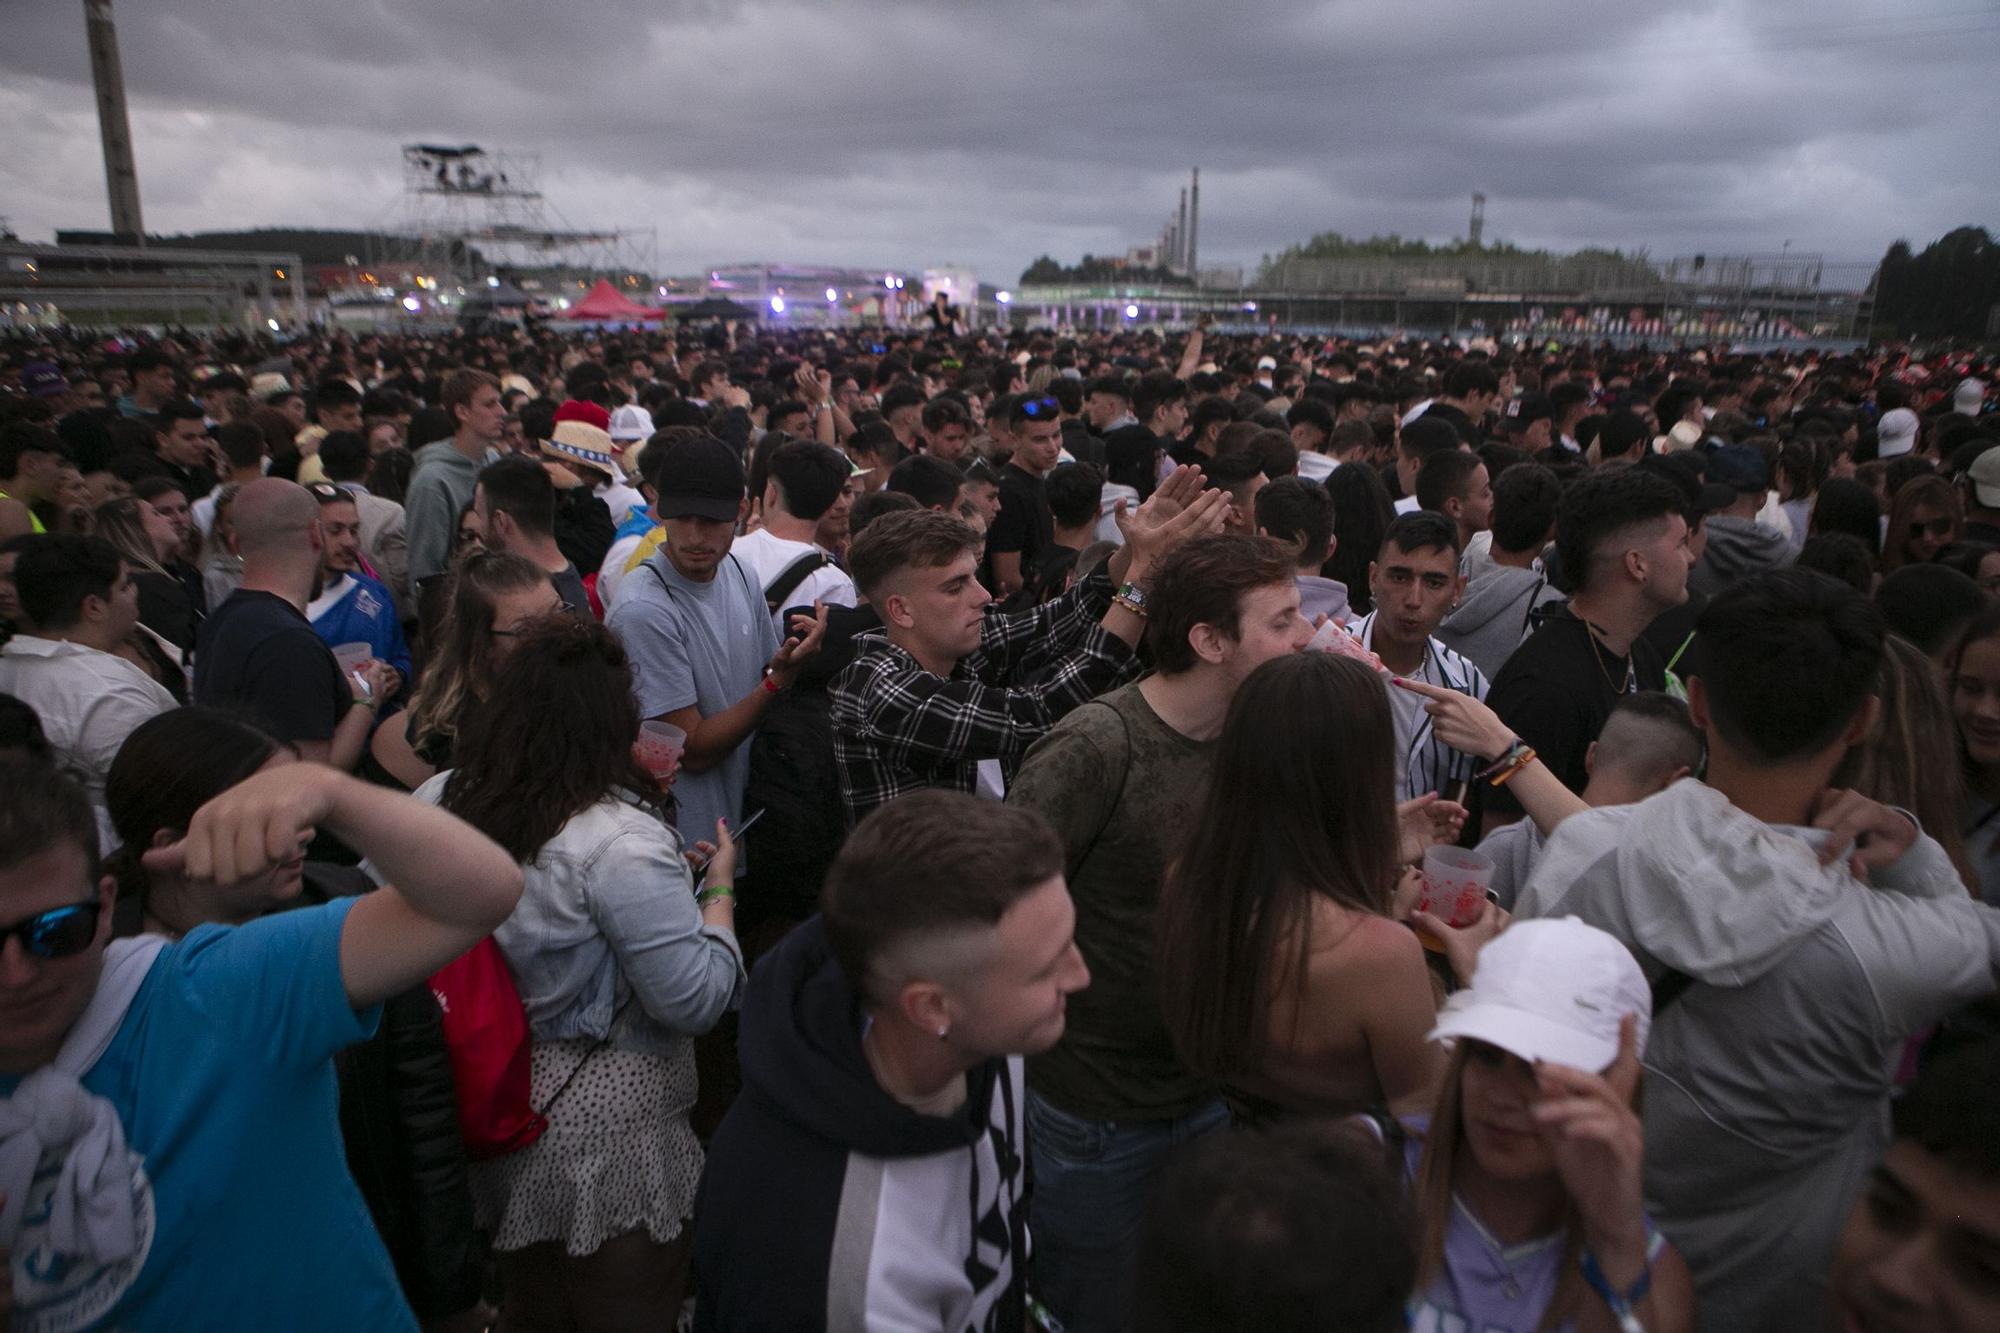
x=829 y=1205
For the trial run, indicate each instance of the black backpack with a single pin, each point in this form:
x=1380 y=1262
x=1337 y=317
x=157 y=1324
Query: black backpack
x=794 y=781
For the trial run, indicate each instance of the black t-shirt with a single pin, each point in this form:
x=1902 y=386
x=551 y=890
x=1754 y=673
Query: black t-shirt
x=569 y=587
x=1024 y=523
x=1556 y=691
x=165 y=607
x=1468 y=429
x=257 y=653
x=1669 y=633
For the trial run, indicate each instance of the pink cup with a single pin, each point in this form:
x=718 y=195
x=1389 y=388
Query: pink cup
x=659 y=749
x=1455 y=884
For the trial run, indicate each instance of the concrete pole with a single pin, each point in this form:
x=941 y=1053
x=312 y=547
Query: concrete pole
x=121 y=177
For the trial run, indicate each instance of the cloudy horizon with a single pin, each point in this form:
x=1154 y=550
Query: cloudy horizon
x=918 y=132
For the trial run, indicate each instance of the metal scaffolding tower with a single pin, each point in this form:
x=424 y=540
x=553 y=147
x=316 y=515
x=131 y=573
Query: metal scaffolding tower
x=469 y=213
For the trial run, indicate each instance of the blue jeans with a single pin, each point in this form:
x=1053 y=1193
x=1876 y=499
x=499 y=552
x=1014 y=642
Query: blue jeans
x=1092 y=1182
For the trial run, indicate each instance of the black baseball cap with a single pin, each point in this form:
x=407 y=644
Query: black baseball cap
x=1529 y=408
x=699 y=478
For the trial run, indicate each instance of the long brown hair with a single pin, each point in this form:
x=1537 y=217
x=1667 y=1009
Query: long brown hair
x=1299 y=804
x=120 y=522
x=1931 y=492
x=555 y=737
x=1910 y=759
x=459 y=670
x=1432 y=1194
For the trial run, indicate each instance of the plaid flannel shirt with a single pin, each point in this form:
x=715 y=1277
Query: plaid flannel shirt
x=898 y=728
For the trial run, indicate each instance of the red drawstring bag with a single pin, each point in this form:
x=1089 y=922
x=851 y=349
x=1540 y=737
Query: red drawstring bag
x=486 y=1034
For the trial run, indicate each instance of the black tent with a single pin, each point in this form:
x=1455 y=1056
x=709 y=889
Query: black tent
x=715 y=307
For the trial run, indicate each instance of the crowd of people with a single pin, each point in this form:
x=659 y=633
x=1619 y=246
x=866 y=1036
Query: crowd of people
x=1016 y=829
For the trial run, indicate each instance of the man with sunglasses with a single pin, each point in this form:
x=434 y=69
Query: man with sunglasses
x=169 y=1152
x=1738 y=545
x=1024 y=529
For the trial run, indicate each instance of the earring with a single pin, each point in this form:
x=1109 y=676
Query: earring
x=942 y=1029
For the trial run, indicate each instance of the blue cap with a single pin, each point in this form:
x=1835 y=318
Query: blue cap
x=1739 y=467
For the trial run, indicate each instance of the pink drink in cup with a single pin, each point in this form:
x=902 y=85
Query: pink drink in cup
x=1455 y=885
x=659 y=749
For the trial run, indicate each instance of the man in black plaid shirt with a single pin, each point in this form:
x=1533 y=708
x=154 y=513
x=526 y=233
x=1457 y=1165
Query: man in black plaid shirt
x=948 y=682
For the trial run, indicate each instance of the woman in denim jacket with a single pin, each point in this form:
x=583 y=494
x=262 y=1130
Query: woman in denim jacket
x=620 y=966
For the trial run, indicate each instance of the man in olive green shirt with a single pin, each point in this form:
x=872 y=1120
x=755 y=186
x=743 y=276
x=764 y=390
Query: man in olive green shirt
x=1117 y=778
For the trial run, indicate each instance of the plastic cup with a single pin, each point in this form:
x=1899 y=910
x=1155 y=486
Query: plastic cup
x=351 y=656
x=659 y=749
x=1455 y=885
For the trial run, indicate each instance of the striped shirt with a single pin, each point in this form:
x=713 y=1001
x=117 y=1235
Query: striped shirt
x=1426 y=764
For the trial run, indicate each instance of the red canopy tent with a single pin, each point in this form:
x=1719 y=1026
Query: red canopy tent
x=604 y=302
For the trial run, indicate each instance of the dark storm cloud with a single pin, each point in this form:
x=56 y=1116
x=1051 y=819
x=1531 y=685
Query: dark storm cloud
x=917 y=131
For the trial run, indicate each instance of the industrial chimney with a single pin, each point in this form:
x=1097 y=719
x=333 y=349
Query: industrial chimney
x=121 y=178
x=1478 y=227
x=1194 y=228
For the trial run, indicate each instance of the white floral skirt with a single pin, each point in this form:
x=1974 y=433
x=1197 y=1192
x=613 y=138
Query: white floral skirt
x=617 y=1156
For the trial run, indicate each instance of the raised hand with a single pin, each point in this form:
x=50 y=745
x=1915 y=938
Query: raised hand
x=1149 y=536
x=1427 y=822
x=261 y=822
x=1461 y=721
x=1599 y=1147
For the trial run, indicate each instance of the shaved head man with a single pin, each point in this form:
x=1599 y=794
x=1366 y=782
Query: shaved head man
x=257 y=652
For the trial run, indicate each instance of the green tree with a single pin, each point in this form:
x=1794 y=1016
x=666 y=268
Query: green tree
x=1947 y=290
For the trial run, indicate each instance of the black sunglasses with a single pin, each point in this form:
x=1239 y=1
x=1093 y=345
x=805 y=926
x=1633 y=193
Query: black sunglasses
x=1937 y=527
x=56 y=933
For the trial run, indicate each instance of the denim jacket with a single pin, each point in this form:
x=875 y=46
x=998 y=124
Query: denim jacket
x=608 y=914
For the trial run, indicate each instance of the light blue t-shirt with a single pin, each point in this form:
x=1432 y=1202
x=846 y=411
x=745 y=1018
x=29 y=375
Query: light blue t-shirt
x=222 y=1074
x=700 y=644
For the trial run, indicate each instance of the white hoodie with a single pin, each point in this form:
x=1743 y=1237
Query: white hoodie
x=1768 y=1082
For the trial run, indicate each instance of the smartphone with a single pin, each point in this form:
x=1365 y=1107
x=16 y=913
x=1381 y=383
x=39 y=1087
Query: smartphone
x=736 y=833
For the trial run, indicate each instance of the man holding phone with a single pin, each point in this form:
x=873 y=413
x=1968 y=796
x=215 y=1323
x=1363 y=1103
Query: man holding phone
x=706 y=656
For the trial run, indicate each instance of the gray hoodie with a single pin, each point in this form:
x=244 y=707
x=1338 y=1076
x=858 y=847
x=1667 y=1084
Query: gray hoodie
x=1768 y=1081
x=1737 y=548
x=1493 y=619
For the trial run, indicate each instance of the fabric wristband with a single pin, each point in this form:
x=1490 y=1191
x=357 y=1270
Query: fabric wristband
x=1620 y=1303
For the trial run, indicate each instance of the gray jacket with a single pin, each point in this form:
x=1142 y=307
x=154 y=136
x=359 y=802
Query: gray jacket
x=608 y=915
x=1737 y=548
x=1768 y=1080
x=1493 y=619
x=441 y=484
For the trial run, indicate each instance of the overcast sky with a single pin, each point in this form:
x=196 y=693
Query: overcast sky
x=916 y=132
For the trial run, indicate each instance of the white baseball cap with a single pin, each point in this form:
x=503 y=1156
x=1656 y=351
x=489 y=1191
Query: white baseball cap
x=1267 y=363
x=1895 y=433
x=1553 y=989
x=1968 y=397
x=631 y=422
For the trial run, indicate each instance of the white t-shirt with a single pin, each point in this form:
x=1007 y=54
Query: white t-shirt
x=88 y=702
x=1317 y=467
x=767 y=556
x=1408 y=505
